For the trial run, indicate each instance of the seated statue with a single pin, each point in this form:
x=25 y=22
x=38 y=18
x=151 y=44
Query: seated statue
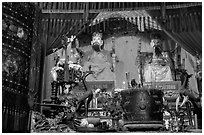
x=98 y=61
x=159 y=67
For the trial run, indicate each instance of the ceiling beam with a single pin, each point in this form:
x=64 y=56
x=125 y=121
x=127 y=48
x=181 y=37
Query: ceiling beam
x=169 y=5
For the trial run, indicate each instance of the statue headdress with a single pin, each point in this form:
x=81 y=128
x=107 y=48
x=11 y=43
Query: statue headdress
x=97 y=34
x=156 y=36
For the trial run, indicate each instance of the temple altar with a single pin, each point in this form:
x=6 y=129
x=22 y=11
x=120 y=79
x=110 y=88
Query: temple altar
x=84 y=67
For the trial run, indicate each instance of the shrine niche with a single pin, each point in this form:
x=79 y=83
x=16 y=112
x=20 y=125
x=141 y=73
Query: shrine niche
x=102 y=67
x=124 y=54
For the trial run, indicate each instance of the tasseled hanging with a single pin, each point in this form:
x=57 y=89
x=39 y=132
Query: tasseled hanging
x=99 y=24
x=44 y=5
x=123 y=6
x=54 y=5
x=181 y=24
x=124 y=23
x=69 y=5
x=184 y=22
x=104 y=25
x=193 y=21
x=119 y=4
x=89 y=28
x=73 y=23
x=120 y=23
x=189 y=22
x=80 y=25
x=137 y=22
x=148 y=23
x=59 y=6
x=136 y=25
x=132 y=23
x=77 y=5
x=96 y=25
x=176 y=23
x=50 y=28
x=99 y=5
x=41 y=5
x=49 y=6
x=196 y=20
x=169 y=26
x=170 y=23
x=108 y=24
x=65 y=5
x=57 y=26
x=156 y=24
x=69 y=25
x=108 y=5
x=140 y=23
x=144 y=23
x=127 y=23
x=60 y=24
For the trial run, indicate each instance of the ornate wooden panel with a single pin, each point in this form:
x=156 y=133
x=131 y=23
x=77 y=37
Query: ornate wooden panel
x=17 y=30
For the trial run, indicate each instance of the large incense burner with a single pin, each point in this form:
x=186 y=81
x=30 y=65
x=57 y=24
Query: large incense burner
x=142 y=107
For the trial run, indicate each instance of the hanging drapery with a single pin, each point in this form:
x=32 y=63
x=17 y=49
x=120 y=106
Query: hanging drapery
x=177 y=26
x=142 y=20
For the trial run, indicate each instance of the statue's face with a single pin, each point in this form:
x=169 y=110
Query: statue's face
x=156 y=42
x=96 y=43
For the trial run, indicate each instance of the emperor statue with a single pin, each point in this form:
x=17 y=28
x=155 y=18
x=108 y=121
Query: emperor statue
x=158 y=69
x=98 y=60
